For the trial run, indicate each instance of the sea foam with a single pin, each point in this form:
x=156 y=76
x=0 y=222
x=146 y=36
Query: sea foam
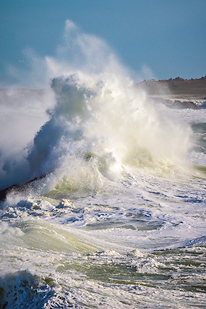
x=99 y=123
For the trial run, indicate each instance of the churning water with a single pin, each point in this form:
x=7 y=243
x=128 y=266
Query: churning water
x=118 y=221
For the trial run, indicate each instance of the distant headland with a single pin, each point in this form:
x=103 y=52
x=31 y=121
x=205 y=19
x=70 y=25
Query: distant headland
x=176 y=87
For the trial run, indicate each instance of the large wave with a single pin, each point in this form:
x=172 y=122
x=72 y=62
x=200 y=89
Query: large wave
x=100 y=125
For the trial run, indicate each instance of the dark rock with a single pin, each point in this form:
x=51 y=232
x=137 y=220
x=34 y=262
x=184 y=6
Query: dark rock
x=19 y=188
x=177 y=103
x=184 y=104
x=4 y=192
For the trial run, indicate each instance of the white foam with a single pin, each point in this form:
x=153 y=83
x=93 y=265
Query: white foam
x=120 y=222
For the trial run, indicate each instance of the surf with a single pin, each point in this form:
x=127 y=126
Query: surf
x=100 y=124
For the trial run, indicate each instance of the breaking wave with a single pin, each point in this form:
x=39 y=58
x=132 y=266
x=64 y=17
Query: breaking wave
x=100 y=124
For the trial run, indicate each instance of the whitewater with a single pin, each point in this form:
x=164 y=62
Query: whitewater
x=115 y=217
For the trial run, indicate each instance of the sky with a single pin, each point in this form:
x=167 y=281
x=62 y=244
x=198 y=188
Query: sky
x=164 y=37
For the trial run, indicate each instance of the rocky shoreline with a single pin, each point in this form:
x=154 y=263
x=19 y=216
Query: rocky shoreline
x=179 y=104
x=178 y=92
x=16 y=189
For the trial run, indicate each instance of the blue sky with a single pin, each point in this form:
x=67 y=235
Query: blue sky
x=167 y=36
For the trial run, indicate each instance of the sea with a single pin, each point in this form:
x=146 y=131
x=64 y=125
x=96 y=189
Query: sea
x=114 y=215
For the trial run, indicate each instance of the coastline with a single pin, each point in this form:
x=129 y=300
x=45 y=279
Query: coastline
x=178 y=92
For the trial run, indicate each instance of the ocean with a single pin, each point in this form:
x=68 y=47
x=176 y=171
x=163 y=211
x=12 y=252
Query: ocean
x=116 y=216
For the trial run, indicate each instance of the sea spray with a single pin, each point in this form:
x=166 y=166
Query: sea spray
x=100 y=124
x=135 y=238
x=99 y=129
x=22 y=113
